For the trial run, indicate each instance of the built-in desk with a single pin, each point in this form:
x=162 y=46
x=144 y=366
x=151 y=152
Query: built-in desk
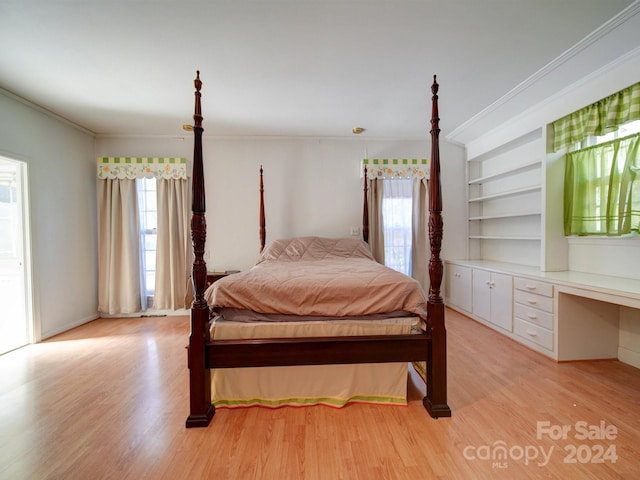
x=579 y=316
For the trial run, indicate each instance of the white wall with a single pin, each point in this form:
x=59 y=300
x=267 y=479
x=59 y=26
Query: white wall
x=62 y=194
x=312 y=187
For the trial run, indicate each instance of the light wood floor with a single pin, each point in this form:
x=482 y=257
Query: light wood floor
x=109 y=400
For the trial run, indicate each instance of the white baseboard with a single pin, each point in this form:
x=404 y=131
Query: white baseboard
x=629 y=357
x=68 y=326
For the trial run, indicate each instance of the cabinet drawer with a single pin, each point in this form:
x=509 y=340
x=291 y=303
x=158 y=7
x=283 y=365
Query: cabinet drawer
x=533 y=286
x=533 y=315
x=534 y=333
x=531 y=299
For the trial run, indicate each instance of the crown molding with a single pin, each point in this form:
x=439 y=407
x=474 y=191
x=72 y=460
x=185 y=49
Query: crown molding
x=44 y=111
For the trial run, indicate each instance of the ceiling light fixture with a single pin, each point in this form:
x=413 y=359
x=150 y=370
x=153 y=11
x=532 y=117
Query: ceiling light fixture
x=188 y=128
x=357 y=130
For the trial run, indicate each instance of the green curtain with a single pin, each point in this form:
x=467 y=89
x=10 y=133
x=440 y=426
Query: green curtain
x=599 y=118
x=602 y=189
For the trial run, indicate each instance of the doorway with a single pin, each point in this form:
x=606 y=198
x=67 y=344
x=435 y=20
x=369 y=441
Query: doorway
x=16 y=325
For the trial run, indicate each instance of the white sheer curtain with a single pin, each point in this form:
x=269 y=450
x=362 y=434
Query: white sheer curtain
x=118 y=247
x=406 y=205
x=396 y=223
x=172 y=254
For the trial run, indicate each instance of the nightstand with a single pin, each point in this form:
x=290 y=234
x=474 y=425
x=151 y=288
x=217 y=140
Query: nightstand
x=215 y=276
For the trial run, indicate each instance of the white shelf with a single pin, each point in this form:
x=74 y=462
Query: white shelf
x=508 y=193
x=505 y=237
x=506 y=215
x=506 y=173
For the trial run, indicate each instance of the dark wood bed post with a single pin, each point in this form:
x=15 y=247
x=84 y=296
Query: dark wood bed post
x=201 y=409
x=365 y=209
x=263 y=223
x=436 y=400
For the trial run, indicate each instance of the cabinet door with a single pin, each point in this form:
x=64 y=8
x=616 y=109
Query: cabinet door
x=502 y=300
x=458 y=286
x=482 y=294
x=493 y=298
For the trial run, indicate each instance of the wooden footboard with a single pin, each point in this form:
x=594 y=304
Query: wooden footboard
x=274 y=352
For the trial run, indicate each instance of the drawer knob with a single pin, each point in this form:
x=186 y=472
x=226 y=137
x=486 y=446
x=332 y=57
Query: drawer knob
x=533 y=334
x=531 y=301
x=532 y=316
x=531 y=287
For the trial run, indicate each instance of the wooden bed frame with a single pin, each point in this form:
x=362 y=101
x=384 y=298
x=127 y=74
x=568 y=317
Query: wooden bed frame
x=205 y=353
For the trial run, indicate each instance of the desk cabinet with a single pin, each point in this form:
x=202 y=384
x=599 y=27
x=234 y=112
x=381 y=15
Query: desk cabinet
x=563 y=315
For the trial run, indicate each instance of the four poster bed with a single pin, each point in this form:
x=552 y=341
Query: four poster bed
x=314 y=310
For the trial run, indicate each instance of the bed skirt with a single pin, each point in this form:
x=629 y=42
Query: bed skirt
x=331 y=385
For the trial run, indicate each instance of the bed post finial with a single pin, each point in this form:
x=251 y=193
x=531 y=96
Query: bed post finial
x=197 y=114
x=263 y=223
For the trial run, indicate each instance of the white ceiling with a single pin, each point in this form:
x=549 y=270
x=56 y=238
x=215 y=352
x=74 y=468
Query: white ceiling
x=291 y=68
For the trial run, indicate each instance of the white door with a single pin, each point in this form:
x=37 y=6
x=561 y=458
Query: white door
x=15 y=323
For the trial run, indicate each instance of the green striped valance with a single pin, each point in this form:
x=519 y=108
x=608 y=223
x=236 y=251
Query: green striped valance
x=599 y=118
x=139 y=167
x=396 y=167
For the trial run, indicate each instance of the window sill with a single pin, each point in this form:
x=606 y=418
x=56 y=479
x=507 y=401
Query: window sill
x=632 y=240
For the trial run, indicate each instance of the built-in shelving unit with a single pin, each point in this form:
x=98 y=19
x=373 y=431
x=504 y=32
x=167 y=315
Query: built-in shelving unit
x=505 y=201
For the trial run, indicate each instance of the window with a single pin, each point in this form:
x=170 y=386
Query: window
x=398 y=216
x=397 y=223
x=8 y=212
x=131 y=193
x=623 y=131
x=602 y=185
x=148 y=215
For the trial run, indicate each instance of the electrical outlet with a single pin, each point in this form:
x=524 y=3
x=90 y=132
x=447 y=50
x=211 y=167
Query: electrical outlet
x=355 y=231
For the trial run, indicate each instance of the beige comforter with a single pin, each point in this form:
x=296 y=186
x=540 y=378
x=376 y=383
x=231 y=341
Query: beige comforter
x=318 y=277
